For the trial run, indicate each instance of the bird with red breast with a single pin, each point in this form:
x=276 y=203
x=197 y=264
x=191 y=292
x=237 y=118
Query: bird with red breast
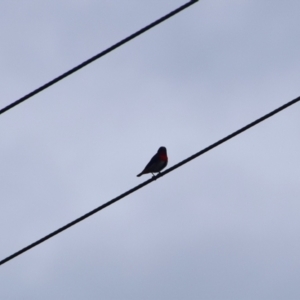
x=157 y=162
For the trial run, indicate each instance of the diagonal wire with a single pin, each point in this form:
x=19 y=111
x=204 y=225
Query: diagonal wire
x=228 y=137
x=85 y=63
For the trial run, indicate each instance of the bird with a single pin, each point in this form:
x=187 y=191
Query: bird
x=157 y=162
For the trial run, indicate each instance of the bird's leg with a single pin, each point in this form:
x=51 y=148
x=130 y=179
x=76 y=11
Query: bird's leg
x=153 y=176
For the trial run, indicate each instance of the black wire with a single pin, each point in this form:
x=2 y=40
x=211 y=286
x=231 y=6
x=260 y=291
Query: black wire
x=230 y=136
x=85 y=63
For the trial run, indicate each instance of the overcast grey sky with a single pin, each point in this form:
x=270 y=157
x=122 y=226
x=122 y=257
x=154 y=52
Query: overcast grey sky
x=226 y=225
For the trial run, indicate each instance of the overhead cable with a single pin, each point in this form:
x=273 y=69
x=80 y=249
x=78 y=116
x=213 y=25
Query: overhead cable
x=92 y=59
x=228 y=137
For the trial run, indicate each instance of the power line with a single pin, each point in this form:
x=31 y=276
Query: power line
x=228 y=137
x=92 y=59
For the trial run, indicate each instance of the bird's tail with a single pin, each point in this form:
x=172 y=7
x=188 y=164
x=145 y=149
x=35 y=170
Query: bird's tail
x=138 y=175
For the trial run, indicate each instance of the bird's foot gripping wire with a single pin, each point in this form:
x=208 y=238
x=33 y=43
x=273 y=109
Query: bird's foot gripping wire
x=153 y=177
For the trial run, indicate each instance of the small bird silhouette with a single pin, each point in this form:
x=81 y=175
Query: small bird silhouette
x=157 y=162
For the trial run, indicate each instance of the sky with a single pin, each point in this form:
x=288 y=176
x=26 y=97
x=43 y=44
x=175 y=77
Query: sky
x=224 y=226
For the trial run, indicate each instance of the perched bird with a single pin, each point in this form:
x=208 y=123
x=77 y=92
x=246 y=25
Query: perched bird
x=157 y=162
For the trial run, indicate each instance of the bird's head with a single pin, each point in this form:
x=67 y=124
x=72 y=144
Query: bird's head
x=162 y=150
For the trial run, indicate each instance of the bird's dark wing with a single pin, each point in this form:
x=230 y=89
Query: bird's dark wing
x=152 y=161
